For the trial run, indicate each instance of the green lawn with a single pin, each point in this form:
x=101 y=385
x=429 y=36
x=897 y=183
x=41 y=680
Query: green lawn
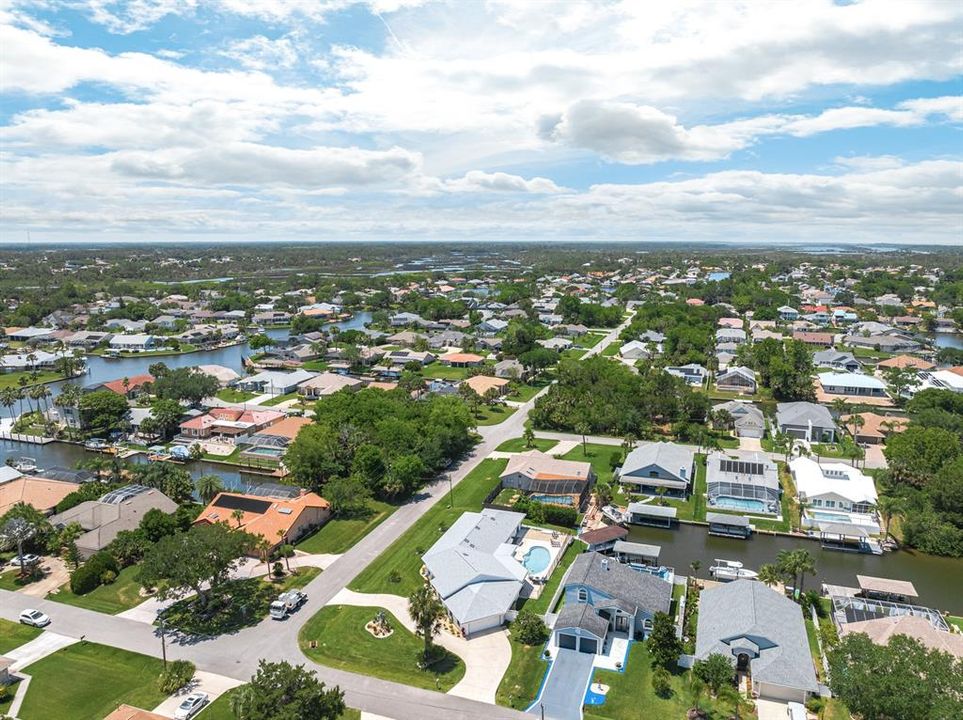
x=521 y=681
x=835 y=710
x=540 y=604
x=339 y=534
x=220 y=709
x=574 y=353
x=87 y=681
x=12 y=380
x=438 y=371
x=694 y=507
x=233 y=395
x=120 y=595
x=526 y=391
x=401 y=561
x=955 y=620
x=599 y=455
x=814 y=648
x=590 y=339
x=341 y=641
x=518 y=445
x=315 y=365
x=13 y=635
x=612 y=349
x=492 y=415
x=631 y=695
x=10 y=580
x=278 y=399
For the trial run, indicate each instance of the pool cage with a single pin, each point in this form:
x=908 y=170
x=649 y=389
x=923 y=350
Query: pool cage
x=848 y=609
x=719 y=489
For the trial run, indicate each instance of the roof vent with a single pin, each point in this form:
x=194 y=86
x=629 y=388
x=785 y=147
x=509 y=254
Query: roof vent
x=284 y=510
x=605 y=563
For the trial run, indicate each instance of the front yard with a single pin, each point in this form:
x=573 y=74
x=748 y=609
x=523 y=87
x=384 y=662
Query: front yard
x=13 y=635
x=336 y=637
x=233 y=395
x=522 y=680
x=220 y=709
x=517 y=445
x=492 y=414
x=87 y=681
x=397 y=569
x=600 y=456
x=339 y=534
x=120 y=595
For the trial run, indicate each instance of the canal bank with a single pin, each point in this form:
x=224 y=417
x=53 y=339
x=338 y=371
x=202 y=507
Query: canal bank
x=938 y=579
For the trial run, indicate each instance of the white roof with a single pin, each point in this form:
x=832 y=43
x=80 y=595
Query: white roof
x=815 y=480
x=8 y=473
x=854 y=380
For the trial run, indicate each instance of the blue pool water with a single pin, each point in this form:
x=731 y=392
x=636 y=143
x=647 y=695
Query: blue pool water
x=747 y=504
x=536 y=559
x=827 y=516
x=553 y=499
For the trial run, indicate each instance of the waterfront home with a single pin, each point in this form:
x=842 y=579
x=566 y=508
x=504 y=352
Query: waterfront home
x=548 y=479
x=224 y=375
x=852 y=385
x=605 y=599
x=806 y=421
x=835 y=360
x=274 y=382
x=737 y=378
x=951 y=380
x=904 y=361
x=40 y=493
x=117 y=510
x=272 y=441
x=278 y=520
x=882 y=629
x=87 y=339
x=228 y=423
x=744 y=481
x=327 y=383
x=30 y=335
x=31 y=360
x=834 y=493
x=654 y=465
x=874 y=428
x=481 y=384
x=130 y=387
x=762 y=633
x=693 y=373
x=893 y=343
x=404 y=319
x=747 y=419
x=133 y=343
x=603 y=539
x=473 y=569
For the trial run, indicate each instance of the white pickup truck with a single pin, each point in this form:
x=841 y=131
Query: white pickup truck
x=287 y=603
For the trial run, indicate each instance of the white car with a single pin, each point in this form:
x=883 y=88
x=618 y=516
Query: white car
x=28 y=559
x=35 y=618
x=190 y=706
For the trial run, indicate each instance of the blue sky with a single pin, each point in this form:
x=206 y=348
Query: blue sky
x=173 y=120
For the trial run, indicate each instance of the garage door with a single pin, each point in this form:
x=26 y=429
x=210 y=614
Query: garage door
x=779 y=692
x=566 y=641
x=796 y=433
x=588 y=645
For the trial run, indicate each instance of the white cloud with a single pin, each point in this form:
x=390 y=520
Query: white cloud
x=127 y=16
x=479 y=181
x=262 y=53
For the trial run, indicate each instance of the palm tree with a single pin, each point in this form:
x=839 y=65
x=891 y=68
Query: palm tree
x=888 y=507
x=8 y=398
x=769 y=574
x=22 y=382
x=17 y=531
x=795 y=564
x=582 y=428
x=740 y=703
x=603 y=494
x=427 y=612
x=660 y=493
x=695 y=691
x=287 y=561
x=694 y=567
x=238 y=515
x=529 y=436
x=208 y=486
x=629 y=442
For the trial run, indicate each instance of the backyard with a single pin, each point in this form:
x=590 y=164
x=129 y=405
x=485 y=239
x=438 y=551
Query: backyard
x=118 y=596
x=336 y=637
x=397 y=569
x=339 y=534
x=86 y=681
x=540 y=605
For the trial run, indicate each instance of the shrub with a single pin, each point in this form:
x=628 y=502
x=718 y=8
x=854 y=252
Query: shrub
x=545 y=513
x=661 y=682
x=108 y=577
x=93 y=572
x=278 y=569
x=176 y=676
x=529 y=629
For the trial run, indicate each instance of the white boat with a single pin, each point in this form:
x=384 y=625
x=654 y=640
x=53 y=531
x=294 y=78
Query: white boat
x=26 y=465
x=727 y=570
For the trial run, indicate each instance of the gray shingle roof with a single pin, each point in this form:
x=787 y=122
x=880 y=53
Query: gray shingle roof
x=746 y=610
x=584 y=616
x=668 y=456
x=620 y=581
x=803 y=413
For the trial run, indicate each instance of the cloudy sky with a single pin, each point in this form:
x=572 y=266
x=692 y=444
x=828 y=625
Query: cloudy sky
x=791 y=121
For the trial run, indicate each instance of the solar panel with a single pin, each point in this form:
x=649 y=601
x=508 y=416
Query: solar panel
x=237 y=502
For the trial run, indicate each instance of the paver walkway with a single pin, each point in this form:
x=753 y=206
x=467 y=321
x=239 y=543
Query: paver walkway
x=486 y=655
x=214 y=685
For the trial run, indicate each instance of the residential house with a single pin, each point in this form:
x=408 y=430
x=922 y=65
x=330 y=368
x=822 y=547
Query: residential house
x=462 y=360
x=130 y=387
x=327 y=383
x=817 y=339
x=87 y=339
x=951 y=380
x=272 y=441
x=852 y=385
x=510 y=369
x=133 y=343
x=658 y=465
x=29 y=334
x=605 y=599
x=228 y=423
x=882 y=629
x=224 y=375
x=481 y=384
x=548 y=479
x=883 y=343
x=737 y=378
x=734 y=336
x=806 y=421
x=788 y=313
x=743 y=481
x=872 y=429
x=406 y=338
x=275 y=382
x=117 y=510
x=762 y=633
x=492 y=326
x=404 y=319
x=840 y=361
x=474 y=571
x=748 y=420
x=834 y=493
x=40 y=493
x=904 y=361
x=278 y=520
x=693 y=373
x=447 y=338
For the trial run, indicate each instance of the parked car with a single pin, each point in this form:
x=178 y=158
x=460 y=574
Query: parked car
x=35 y=618
x=28 y=559
x=190 y=706
x=287 y=603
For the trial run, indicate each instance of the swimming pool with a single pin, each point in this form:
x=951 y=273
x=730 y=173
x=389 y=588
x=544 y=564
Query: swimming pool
x=828 y=516
x=536 y=559
x=745 y=504
x=553 y=499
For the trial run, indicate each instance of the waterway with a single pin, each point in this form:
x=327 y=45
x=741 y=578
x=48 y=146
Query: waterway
x=938 y=580
x=943 y=339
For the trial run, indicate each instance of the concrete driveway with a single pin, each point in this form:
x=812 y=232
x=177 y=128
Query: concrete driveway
x=55 y=573
x=47 y=643
x=213 y=685
x=750 y=444
x=771 y=709
x=564 y=689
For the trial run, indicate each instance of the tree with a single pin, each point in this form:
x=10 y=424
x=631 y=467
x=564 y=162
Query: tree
x=715 y=671
x=664 y=646
x=199 y=560
x=208 y=486
x=427 y=612
x=900 y=380
x=796 y=564
x=314 y=455
x=662 y=682
x=260 y=341
x=404 y=474
x=103 y=411
x=888 y=507
x=769 y=574
x=917 y=453
x=695 y=691
x=349 y=496
x=281 y=691
x=237 y=515
x=14 y=533
x=583 y=429
x=175 y=482
x=529 y=436
x=157 y=524
x=65 y=543
x=166 y=417
x=186 y=383
x=603 y=494
x=529 y=629
x=902 y=680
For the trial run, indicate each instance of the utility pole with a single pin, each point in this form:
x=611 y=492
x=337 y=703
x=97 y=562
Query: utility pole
x=163 y=642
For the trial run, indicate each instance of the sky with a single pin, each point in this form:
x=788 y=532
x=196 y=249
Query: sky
x=802 y=121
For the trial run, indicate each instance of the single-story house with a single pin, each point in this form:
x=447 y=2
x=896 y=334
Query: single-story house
x=654 y=465
x=836 y=360
x=129 y=387
x=693 y=373
x=461 y=359
x=133 y=343
x=880 y=630
x=760 y=631
x=891 y=343
x=852 y=384
x=806 y=421
x=103 y=519
x=40 y=493
x=819 y=339
x=549 y=479
x=730 y=335
x=406 y=338
x=272 y=441
x=274 y=381
x=604 y=599
x=492 y=326
x=224 y=375
x=737 y=378
x=228 y=422
x=87 y=339
x=278 y=520
x=481 y=384
x=473 y=569
x=748 y=420
x=874 y=428
x=327 y=383
x=510 y=369
x=905 y=361
x=745 y=481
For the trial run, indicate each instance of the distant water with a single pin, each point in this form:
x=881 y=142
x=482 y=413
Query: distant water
x=717 y=276
x=952 y=340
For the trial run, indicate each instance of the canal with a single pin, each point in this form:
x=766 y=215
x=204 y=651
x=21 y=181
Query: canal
x=938 y=580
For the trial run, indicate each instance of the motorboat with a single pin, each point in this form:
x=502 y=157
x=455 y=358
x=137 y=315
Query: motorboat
x=727 y=570
x=26 y=465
